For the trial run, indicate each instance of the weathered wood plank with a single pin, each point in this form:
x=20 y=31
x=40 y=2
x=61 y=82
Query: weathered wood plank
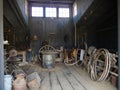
x=54 y=82
x=67 y=78
x=75 y=84
x=93 y=85
x=45 y=85
x=63 y=81
x=81 y=80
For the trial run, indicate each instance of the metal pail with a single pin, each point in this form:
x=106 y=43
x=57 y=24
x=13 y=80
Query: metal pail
x=7 y=82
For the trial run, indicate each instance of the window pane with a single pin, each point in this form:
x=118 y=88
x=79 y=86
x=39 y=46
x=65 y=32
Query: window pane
x=50 y=12
x=74 y=9
x=64 y=12
x=37 y=11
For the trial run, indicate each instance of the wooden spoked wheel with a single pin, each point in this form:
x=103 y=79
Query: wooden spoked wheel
x=47 y=49
x=89 y=58
x=101 y=64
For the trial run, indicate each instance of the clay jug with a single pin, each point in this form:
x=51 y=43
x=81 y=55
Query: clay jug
x=19 y=83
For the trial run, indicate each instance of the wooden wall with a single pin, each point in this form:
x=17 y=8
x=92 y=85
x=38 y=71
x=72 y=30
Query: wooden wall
x=53 y=30
x=1 y=47
x=99 y=24
x=15 y=24
x=82 y=6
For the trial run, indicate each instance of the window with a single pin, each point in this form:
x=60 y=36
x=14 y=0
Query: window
x=74 y=9
x=26 y=7
x=50 y=12
x=64 y=12
x=37 y=11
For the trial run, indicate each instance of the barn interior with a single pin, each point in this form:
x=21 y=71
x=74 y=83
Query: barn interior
x=59 y=44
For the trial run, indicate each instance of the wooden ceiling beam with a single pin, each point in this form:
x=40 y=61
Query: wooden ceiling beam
x=52 y=2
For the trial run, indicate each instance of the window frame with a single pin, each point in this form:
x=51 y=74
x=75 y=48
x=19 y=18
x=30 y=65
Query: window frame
x=75 y=9
x=57 y=12
x=64 y=14
x=33 y=12
x=50 y=13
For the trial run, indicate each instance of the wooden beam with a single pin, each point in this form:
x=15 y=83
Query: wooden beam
x=1 y=48
x=52 y=2
x=118 y=43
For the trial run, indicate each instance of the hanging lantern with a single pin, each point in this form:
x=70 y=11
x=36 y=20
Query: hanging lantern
x=35 y=37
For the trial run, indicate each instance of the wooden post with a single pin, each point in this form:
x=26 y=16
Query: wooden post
x=1 y=48
x=75 y=33
x=119 y=44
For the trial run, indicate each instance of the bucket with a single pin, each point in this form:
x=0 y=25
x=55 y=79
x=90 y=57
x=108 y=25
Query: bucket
x=7 y=82
x=48 y=60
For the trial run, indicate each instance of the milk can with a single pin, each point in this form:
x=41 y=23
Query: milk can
x=7 y=82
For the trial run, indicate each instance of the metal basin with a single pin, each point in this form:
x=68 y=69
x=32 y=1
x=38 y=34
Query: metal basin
x=48 y=60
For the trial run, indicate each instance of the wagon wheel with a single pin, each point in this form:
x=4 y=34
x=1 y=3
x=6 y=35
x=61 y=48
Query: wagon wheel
x=46 y=49
x=89 y=58
x=101 y=64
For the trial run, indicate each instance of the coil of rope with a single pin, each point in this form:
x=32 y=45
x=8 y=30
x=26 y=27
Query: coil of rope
x=71 y=61
x=76 y=57
x=100 y=67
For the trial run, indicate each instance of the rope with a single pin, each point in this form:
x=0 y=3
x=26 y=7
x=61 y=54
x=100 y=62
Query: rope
x=102 y=73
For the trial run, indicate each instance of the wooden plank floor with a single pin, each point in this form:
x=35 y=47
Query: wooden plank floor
x=68 y=78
